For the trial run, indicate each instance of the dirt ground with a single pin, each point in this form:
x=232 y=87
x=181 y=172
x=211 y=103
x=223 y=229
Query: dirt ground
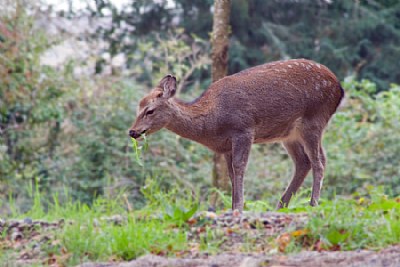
x=389 y=257
x=26 y=239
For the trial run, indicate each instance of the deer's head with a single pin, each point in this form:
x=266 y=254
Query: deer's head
x=154 y=111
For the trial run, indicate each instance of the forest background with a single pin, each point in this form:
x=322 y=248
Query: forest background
x=64 y=121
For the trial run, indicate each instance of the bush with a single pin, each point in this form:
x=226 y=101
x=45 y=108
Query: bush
x=363 y=140
x=31 y=107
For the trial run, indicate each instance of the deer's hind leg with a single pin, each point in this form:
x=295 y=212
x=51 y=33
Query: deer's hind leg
x=302 y=166
x=312 y=135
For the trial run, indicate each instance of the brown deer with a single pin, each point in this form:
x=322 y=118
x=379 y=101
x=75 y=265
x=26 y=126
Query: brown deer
x=289 y=101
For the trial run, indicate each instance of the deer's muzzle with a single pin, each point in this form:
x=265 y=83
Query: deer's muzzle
x=135 y=134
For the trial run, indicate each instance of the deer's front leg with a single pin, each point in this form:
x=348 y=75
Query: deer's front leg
x=228 y=159
x=241 y=145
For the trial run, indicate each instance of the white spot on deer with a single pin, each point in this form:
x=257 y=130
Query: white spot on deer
x=296 y=63
x=311 y=64
x=290 y=66
x=304 y=81
x=277 y=70
x=302 y=64
x=284 y=70
x=317 y=86
x=281 y=63
x=318 y=65
x=318 y=76
x=324 y=83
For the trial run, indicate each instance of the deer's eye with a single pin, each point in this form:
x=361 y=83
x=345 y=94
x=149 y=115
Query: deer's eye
x=150 y=112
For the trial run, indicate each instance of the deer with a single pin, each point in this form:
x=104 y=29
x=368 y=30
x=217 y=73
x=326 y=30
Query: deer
x=289 y=101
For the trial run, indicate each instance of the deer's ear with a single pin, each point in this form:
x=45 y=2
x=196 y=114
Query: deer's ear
x=168 y=85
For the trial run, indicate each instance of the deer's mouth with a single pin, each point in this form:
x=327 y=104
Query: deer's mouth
x=136 y=134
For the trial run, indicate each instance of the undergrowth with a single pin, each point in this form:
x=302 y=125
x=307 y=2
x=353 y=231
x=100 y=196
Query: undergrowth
x=371 y=221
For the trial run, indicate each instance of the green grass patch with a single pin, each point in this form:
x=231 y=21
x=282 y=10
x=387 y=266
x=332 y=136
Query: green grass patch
x=87 y=240
x=351 y=223
x=355 y=222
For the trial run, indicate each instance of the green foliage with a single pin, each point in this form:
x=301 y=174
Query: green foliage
x=91 y=234
x=177 y=205
x=356 y=37
x=179 y=214
x=368 y=222
x=362 y=221
x=126 y=242
x=63 y=132
x=362 y=140
x=31 y=106
x=139 y=149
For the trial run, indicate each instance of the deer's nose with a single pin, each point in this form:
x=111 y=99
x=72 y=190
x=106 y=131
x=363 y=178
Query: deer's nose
x=133 y=134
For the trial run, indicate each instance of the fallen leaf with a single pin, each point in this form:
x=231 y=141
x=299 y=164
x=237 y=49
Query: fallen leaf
x=229 y=231
x=283 y=241
x=300 y=232
x=192 y=221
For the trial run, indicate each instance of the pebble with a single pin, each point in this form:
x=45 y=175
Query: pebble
x=16 y=235
x=28 y=221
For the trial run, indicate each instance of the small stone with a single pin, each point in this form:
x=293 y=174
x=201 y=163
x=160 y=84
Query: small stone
x=16 y=235
x=236 y=213
x=211 y=215
x=211 y=209
x=28 y=221
x=228 y=213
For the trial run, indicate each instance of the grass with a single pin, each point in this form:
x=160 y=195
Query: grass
x=121 y=242
x=351 y=223
x=138 y=150
x=358 y=222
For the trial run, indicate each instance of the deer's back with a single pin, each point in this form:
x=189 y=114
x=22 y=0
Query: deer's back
x=275 y=95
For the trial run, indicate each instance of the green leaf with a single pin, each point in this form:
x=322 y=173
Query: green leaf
x=336 y=236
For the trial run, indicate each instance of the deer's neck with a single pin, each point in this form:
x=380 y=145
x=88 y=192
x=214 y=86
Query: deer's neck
x=191 y=121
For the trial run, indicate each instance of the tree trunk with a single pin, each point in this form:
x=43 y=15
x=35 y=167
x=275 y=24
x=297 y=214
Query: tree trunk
x=219 y=55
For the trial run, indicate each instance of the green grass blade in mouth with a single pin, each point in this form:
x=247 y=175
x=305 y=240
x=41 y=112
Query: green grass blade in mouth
x=137 y=151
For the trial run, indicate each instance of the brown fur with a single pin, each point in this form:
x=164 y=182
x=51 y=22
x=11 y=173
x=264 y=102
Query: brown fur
x=288 y=101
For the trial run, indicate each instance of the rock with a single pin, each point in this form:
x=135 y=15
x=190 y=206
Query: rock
x=250 y=262
x=28 y=221
x=236 y=213
x=16 y=236
x=211 y=209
